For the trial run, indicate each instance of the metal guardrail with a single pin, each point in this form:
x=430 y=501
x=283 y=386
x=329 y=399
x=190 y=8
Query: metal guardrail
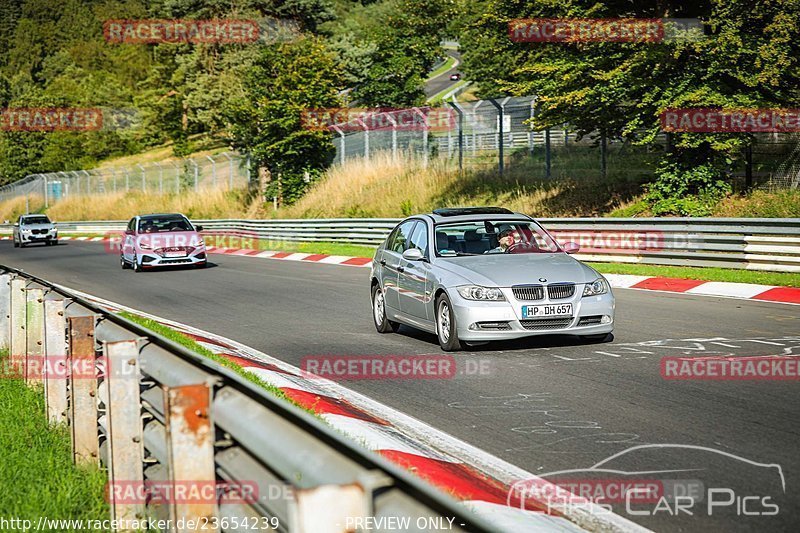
x=153 y=412
x=744 y=243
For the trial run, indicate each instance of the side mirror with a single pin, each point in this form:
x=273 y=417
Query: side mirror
x=571 y=247
x=128 y=232
x=199 y=228
x=413 y=254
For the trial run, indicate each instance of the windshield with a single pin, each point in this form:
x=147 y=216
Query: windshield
x=36 y=220
x=164 y=224
x=493 y=237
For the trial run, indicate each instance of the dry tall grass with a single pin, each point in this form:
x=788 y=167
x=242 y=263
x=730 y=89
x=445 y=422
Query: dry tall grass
x=10 y=210
x=121 y=206
x=382 y=187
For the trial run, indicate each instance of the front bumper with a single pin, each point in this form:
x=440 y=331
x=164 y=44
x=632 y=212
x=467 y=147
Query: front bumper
x=29 y=238
x=491 y=321
x=153 y=260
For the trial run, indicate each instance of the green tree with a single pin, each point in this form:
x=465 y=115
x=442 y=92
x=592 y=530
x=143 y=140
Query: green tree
x=286 y=80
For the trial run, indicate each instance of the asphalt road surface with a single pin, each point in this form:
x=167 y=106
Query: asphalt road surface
x=443 y=81
x=545 y=404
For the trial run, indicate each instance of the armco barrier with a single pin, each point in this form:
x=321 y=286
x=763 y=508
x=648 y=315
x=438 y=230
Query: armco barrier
x=158 y=415
x=746 y=243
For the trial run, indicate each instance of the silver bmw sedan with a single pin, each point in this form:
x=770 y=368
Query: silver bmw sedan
x=476 y=274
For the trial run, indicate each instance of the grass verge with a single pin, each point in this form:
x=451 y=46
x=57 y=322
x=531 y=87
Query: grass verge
x=782 y=279
x=190 y=344
x=36 y=471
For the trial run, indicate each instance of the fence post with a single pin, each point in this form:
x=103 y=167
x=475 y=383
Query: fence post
x=547 y=153
x=424 y=136
x=460 y=112
x=127 y=180
x=196 y=174
x=144 y=178
x=500 y=162
x=190 y=447
x=603 y=156
x=366 y=138
x=46 y=192
x=160 y=177
x=393 y=122
x=748 y=168
x=19 y=309
x=124 y=429
x=83 y=390
x=55 y=370
x=5 y=311
x=213 y=171
x=35 y=335
x=342 y=147
x=530 y=126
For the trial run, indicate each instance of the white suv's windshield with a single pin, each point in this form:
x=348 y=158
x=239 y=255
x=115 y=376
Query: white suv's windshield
x=492 y=237
x=35 y=220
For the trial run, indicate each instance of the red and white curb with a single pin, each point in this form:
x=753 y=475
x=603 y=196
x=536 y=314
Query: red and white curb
x=478 y=479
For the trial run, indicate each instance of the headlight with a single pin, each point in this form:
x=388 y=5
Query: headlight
x=474 y=292
x=145 y=246
x=598 y=286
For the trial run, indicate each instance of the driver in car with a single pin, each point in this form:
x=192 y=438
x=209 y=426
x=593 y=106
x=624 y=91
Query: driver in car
x=505 y=240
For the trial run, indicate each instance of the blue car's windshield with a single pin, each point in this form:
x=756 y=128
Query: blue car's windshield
x=492 y=237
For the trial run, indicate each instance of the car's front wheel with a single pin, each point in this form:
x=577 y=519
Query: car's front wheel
x=135 y=265
x=382 y=324
x=446 y=327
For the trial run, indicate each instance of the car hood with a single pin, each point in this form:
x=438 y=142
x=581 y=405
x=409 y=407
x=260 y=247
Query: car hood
x=170 y=239
x=37 y=226
x=504 y=270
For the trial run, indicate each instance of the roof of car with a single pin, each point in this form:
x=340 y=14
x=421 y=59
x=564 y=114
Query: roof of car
x=459 y=214
x=151 y=215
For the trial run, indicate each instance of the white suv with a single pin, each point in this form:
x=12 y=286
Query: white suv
x=34 y=228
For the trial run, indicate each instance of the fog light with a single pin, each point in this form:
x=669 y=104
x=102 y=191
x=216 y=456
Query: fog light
x=605 y=320
x=474 y=326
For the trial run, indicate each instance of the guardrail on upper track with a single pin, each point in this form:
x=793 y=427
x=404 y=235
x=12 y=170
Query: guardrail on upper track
x=158 y=415
x=745 y=243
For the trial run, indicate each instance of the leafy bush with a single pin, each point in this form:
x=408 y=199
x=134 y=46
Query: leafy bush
x=684 y=191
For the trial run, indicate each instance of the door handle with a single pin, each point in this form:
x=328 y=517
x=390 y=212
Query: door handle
x=401 y=269
x=383 y=262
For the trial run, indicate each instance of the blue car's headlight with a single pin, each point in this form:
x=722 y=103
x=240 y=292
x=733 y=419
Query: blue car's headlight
x=475 y=292
x=595 y=288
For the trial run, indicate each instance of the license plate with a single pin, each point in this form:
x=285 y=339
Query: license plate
x=546 y=311
x=175 y=254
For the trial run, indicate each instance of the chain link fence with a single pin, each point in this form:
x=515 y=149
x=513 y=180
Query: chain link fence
x=498 y=131
x=220 y=171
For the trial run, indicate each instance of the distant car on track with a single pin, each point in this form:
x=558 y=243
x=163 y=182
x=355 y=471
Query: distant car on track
x=162 y=240
x=34 y=228
x=471 y=275
x=455 y=76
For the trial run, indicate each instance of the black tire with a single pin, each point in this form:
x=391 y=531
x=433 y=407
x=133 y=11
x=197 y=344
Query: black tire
x=600 y=337
x=446 y=327
x=123 y=263
x=136 y=266
x=382 y=324
x=16 y=244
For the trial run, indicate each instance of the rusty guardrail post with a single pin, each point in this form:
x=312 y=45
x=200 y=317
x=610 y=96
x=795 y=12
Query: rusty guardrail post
x=190 y=448
x=5 y=311
x=18 y=315
x=55 y=354
x=124 y=429
x=327 y=509
x=83 y=390
x=35 y=336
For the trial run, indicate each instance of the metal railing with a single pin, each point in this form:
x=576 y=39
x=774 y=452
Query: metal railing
x=152 y=412
x=743 y=243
